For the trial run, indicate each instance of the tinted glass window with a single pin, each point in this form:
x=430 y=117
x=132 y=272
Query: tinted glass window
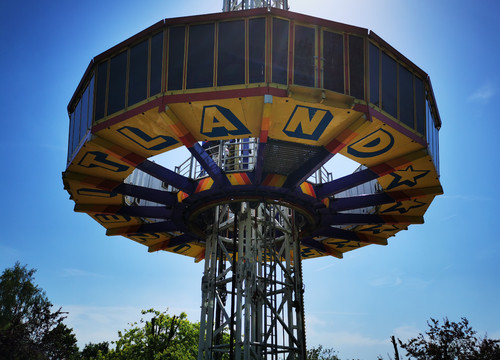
x=333 y=65
x=78 y=122
x=176 y=57
x=356 y=67
x=156 y=64
x=389 y=85
x=420 y=105
x=138 y=73
x=100 y=98
x=71 y=137
x=280 y=51
x=256 y=50
x=84 y=101
x=406 y=106
x=231 y=54
x=303 y=62
x=200 y=66
x=91 y=102
x=374 y=75
x=117 y=81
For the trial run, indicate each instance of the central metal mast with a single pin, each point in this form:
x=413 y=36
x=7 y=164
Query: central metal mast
x=234 y=5
x=252 y=292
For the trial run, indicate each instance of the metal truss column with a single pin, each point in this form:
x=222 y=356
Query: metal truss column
x=252 y=293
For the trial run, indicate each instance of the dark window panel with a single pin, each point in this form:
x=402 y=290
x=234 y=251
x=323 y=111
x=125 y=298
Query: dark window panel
x=100 y=98
x=78 y=122
x=156 y=64
x=176 y=57
x=389 y=85
x=303 y=63
x=374 y=75
x=356 y=67
x=117 y=83
x=280 y=51
x=71 y=136
x=333 y=61
x=84 y=101
x=420 y=105
x=200 y=66
x=406 y=107
x=138 y=73
x=257 y=50
x=231 y=53
x=76 y=127
x=91 y=102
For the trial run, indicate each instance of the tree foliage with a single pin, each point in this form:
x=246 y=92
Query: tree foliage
x=29 y=329
x=163 y=337
x=321 y=353
x=451 y=341
x=93 y=351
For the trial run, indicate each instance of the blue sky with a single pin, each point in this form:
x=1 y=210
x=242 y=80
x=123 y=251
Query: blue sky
x=447 y=267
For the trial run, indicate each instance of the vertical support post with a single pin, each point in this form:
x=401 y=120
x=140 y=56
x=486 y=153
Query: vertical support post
x=263 y=317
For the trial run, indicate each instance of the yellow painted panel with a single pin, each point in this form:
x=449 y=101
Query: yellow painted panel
x=419 y=174
x=307 y=123
x=87 y=194
x=188 y=249
x=94 y=161
x=146 y=134
x=221 y=119
x=343 y=245
x=414 y=207
x=379 y=143
x=149 y=239
x=110 y=221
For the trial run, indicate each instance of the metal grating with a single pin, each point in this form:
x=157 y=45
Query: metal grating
x=284 y=158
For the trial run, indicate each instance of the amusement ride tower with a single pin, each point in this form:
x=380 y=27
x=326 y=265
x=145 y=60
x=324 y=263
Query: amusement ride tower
x=262 y=98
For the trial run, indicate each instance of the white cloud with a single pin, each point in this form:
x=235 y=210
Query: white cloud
x=483 y=94
x=386 y=281
x=99 y=323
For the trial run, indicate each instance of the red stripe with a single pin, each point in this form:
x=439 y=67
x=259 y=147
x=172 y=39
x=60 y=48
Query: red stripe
x=382 y=169
x=188 y=140
x=263 y=137
x=334 y=146
x=126 y=115
x=245 y=178
x=133 y=159
x=107 y=185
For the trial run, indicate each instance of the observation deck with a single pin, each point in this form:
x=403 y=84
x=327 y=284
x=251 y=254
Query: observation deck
x=262 y=99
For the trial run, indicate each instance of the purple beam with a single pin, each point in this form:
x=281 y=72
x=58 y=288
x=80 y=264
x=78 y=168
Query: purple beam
x=157 y=212
x=344 y=183
x=357 y=202
x=141 y=192
x=168 y=176
x=208 y=164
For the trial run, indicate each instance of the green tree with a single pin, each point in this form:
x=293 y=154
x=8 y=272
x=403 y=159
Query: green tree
x=451 y=341
x=163 y=337
x=320 y=353
x=94 y=351
x=29 y=329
